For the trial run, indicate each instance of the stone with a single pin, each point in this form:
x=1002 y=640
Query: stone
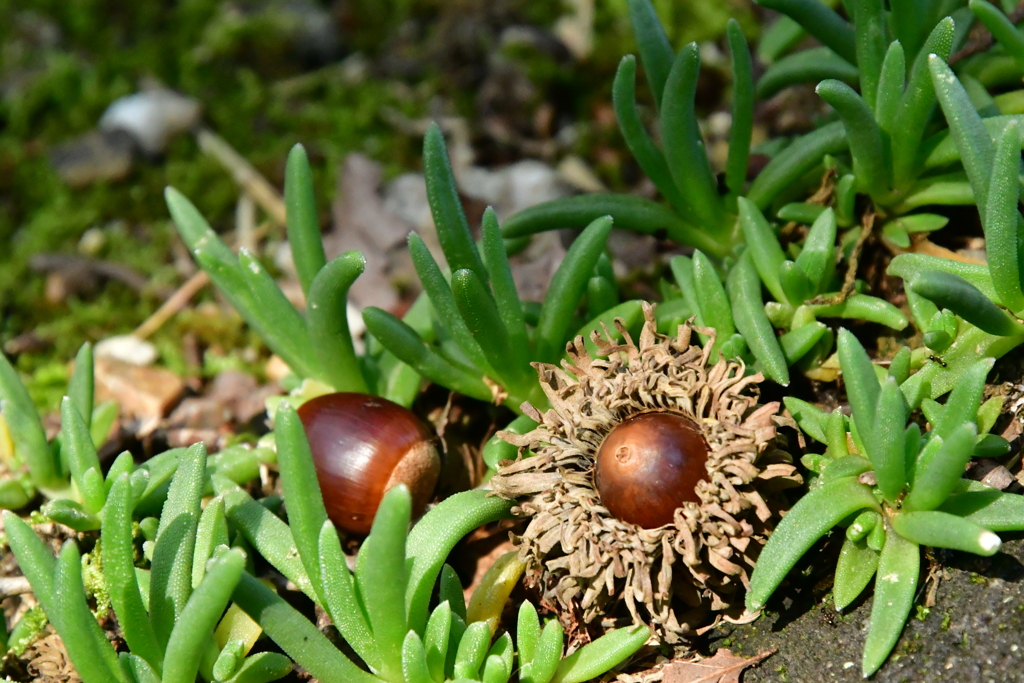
x=151 y=118
x=126 y=348
x=93 y=157
x=146 y=393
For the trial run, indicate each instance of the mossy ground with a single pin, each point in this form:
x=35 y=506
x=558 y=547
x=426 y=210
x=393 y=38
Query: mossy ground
x=63 y=63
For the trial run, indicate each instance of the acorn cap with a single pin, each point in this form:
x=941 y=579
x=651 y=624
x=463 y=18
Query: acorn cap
x=591 y=566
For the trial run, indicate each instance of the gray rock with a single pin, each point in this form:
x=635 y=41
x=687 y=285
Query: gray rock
x=972 y=633
x=93 y=157
x=151 y=117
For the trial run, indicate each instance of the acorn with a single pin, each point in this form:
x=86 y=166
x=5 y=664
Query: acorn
x=362 y=446
x=649 y=486
x=649 y=465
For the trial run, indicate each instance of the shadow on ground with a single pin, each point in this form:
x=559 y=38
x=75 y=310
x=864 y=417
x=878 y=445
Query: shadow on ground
x=973 y=633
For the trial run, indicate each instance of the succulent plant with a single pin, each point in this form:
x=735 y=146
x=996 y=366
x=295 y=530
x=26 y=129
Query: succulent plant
x=894 y=488
x=168 y=613
x=67 y=470
x=382 y=609
x=316 y=345
x=697 y=554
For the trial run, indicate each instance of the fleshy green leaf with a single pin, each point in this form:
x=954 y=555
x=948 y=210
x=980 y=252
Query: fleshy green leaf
x=812 y=516
x=936 y=479
x=327 y=320
x=303 y=221
x=194 y=628
x=452 y=227
x=943 y=530
x=296 y=635
x=898 y=570
x=857 y=564
x=684 y=148
x=748 y=313
x=602 y=655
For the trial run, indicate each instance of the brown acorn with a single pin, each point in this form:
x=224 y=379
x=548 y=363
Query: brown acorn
x=649 y=465
x=362 y=446
x=649 y=487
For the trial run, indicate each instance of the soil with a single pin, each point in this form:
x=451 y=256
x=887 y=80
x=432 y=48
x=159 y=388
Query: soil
x=972 y=633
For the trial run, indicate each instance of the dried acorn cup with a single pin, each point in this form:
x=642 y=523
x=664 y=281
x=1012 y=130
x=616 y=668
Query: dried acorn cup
x=654 y=484
x=362 y=446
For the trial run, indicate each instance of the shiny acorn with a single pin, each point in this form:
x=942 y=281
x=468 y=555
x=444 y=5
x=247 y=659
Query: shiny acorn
x=649 y=465
x=362 y=446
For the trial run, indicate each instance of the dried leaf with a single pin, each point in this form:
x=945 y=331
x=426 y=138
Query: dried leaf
x=724 y=667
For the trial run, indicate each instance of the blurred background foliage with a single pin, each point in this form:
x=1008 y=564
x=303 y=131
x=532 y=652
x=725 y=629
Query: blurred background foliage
x=335 y=75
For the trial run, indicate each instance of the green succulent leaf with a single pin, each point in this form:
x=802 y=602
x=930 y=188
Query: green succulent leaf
x=302 y=218
x=1002 y=220
x=869 y=154
x=450 y=591
x=885 y=440
x=296 y=635
x=812 y=516
x=446 y=208
x=655 y=48
x=742 y=109
x=442 y=299
x=936 y=479
x=764 y=247
x=340 y=599
x=119 y=574
x=846 y=466
x=809 y=417
x=960 y=296
x=965 y=126
x=891 y=80
x=267 y=533
x=175 y=543
x=862 y=387
x=77 y=447
x=943 y=530
x=817 y=260
x=435 y=640
x=711 y=299
x=684 y=148
x=962 y=405
x=806 y=66
x=650 y=158
x=204 y=608
x=414 y=660
x=86 y=644
x=382 y=576
x=899 y=567
x=990 y=508
x=26 y=428
x=306 y=511
x=403 y=341
x=485 y=324
x=567 y=287
x=918 y=101
x=857 y=564
x=602 y=655
x=211 y=532
x=472 y=650
x=505 y=295
x=629 y=213
x=790 y=164
x=327 y=320
x=744 y=289
x=82 y=385
x=821 y=22
x=433 y=538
